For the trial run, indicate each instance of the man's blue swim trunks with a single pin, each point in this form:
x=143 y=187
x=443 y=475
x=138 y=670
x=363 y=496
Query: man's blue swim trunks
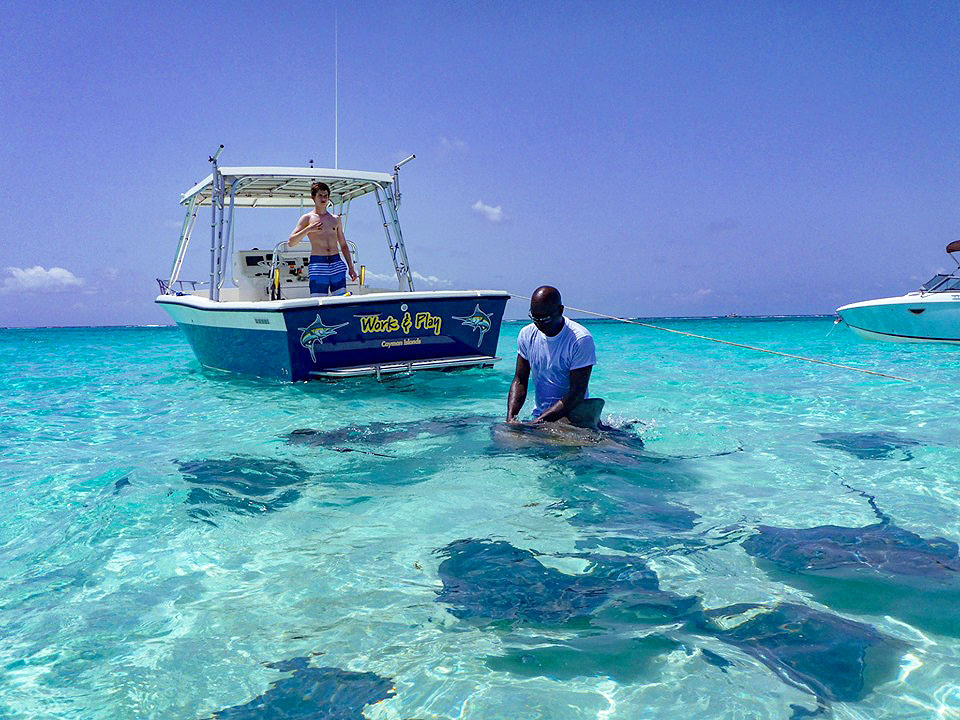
x=328 y=275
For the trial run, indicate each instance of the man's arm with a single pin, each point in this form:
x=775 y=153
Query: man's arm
x=518 y=389
x=299 y=231
x=345 y=251
x=579 y=379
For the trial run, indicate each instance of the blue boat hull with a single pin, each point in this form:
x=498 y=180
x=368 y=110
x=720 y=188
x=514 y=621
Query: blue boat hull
x=304 y=340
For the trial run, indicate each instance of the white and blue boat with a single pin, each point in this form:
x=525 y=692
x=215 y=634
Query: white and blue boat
x=257 y=317
x=930 y=314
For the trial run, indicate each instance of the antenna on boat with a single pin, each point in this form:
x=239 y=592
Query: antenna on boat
x=336 y=87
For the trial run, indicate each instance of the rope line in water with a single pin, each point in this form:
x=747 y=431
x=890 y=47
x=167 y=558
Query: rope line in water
x=727 y=342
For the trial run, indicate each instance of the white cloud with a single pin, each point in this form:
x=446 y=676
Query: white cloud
x=430 y=279
x=384 y=277
x=37 y=279
x=694 y=296
x=452 y=145
x=493 y=214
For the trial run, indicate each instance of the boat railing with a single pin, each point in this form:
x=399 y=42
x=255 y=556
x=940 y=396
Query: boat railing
x=941 y=282
x=179 y=287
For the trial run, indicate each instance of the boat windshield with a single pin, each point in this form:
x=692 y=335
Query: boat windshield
x=941 y=283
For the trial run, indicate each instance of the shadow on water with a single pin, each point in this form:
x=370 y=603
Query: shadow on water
x=310 y=693
x=241 y=484
x=496 y=586
x=869 y=445
x=878 y=569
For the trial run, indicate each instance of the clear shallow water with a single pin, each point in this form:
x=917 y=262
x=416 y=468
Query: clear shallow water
x=170 y=550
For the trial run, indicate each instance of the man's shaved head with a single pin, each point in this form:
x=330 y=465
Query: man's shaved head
x=546 y=296
x=546 y=310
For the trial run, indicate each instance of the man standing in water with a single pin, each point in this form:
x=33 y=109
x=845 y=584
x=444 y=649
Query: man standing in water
x=328 y=273
x=562 y=355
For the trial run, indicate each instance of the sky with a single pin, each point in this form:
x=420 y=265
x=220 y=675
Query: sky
x=647 y=158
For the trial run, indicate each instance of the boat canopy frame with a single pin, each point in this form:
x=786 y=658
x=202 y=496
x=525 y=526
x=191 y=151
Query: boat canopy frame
x=227 y=188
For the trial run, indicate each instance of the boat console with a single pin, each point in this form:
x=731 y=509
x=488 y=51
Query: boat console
x=253 y=274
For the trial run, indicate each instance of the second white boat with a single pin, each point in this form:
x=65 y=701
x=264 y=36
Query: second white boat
x=930 y=314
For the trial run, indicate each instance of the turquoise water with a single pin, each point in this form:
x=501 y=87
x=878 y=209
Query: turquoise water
x=170 y=549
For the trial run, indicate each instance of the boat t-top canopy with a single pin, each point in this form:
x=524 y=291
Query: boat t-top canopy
x=285 y=187
x=227 y=188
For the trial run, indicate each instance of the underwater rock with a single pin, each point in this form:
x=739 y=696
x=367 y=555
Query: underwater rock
x=869 y=445
x=325 y=693
x=243 y=484
x=832 y=657
x=493 y=582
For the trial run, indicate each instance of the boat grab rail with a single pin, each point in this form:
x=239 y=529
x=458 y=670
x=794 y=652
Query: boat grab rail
x=167 y=289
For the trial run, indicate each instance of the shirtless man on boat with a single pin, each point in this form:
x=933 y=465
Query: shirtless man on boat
x=328 y=272
x=561 y=354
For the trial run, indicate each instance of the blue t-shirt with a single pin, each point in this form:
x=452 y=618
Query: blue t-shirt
x=552 y=358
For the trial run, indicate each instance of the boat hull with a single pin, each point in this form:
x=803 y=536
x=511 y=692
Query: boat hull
x=366 y=334
x=909 y=318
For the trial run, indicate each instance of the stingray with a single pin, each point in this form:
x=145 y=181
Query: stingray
x=310 y=693
x=517 y=436
x=505 y=436
x=869 y=445
x=381 y=433
x=623 y=658
x=622 y=507
x=617 y=514
x=878 y=569
x=242 y=484
x=833 y=658
x=494 y=583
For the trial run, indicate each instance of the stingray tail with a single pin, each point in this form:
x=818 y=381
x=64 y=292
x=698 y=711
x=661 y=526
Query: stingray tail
x=883 y=517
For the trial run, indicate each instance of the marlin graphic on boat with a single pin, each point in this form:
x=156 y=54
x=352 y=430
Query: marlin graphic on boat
x=478 y=320
x=315 y=333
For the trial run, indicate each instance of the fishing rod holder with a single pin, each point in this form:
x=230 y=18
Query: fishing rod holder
x=396 y=178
